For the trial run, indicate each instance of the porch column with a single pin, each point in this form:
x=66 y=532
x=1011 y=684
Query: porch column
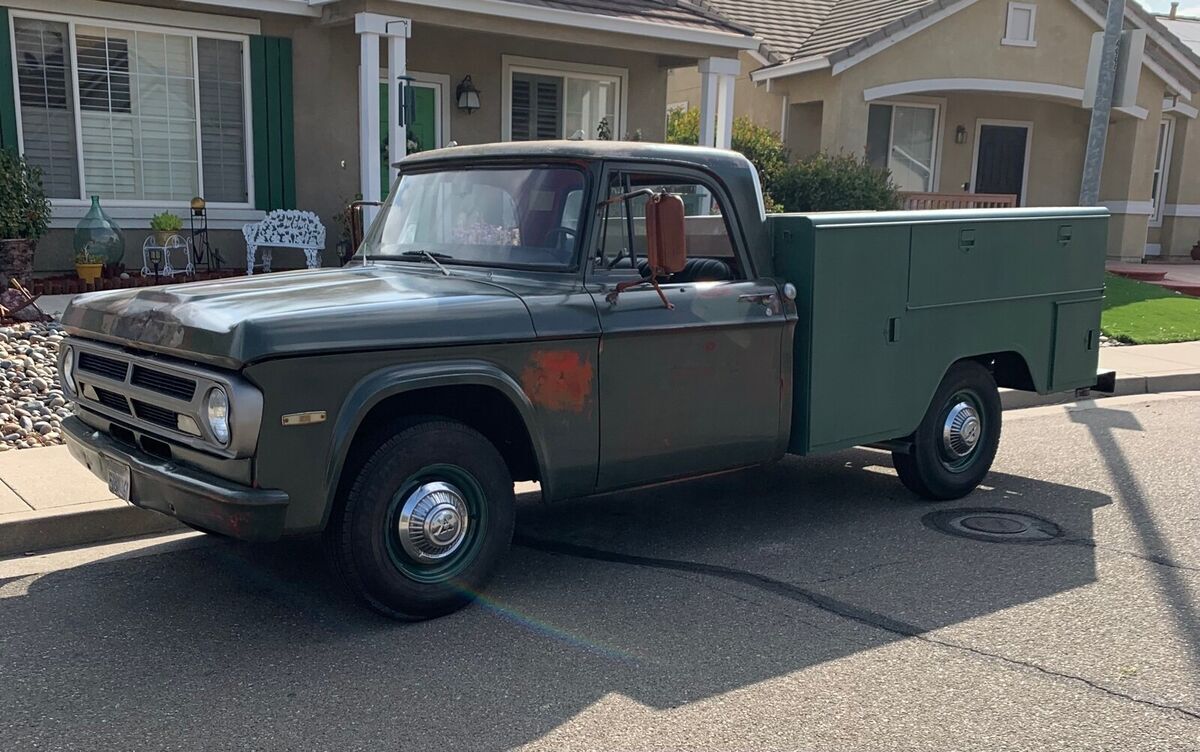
x=717 y=76
x=370 y=28
x=397 y=67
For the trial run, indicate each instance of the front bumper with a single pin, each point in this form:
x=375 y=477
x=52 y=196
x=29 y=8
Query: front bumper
x=191 y=496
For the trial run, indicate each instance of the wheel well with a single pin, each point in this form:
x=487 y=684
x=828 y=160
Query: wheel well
x=1009 y=369
x=483 y=408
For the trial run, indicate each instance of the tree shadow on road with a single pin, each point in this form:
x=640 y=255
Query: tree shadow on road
x=234 y=642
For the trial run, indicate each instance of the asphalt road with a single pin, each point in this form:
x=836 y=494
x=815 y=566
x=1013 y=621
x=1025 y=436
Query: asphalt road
x=805 y=606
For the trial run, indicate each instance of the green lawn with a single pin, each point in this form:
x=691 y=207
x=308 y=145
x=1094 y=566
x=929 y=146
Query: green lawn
x=1145 y=314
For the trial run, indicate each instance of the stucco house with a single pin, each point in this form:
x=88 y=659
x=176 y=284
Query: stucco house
x=263 y=104
x=978 y=96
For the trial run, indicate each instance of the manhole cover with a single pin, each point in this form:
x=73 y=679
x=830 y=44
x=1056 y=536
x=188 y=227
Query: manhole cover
x=993 y=525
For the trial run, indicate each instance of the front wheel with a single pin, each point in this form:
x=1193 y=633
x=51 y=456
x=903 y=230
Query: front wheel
x=425 y=522
x=953 y=447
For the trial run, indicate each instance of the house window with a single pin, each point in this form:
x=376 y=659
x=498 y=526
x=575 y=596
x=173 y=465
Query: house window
x=561 y=100
x=903 y=139
x=1018 y=26
x=132 y=114
x=1162 y=163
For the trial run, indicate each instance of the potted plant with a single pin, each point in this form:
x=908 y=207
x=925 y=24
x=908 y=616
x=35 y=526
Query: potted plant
x=165 y=224
x=24 y=216
x=88 y=266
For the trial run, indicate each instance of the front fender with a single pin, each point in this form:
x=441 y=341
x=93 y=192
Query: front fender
x=387 y=382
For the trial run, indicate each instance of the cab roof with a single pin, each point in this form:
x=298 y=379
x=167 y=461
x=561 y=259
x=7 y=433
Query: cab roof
x=716 y=159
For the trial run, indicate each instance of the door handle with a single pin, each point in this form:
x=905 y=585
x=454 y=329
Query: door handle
x=766 y=298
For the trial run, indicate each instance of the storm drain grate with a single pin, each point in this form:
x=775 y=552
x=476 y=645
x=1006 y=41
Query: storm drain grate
x=993 y=525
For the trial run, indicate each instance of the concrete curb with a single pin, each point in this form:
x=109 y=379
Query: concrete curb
x=79 y=524
x=1011 y=399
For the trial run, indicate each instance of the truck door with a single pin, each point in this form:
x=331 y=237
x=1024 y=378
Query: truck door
x=696 y=387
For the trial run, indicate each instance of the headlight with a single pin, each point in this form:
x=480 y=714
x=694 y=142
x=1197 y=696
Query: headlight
x=68 y=370
x=218 y=414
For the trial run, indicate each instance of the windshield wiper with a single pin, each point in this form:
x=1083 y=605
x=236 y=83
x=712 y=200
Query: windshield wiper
x=433 y=258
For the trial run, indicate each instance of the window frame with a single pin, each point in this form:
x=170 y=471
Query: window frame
x=938 y=106
x=1031 y=41
x=669 y=174
x=511 y=64
x=71 y=22
x=1163 y=149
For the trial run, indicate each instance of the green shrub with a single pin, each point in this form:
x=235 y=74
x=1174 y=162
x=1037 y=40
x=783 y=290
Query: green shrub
x=835 y=182
x=760 y=145
x=166 y=222
x=24 y=208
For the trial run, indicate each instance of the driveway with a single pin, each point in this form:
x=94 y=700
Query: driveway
x=811 y=605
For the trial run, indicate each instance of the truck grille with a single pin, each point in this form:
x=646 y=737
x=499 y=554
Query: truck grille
x=109 y=368
x=112 y=400
x=163 y=383
x=159 y=416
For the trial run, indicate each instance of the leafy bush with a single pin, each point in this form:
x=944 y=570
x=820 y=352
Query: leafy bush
x=24 y=208
x=760 y=145
x=166 y=222
x=835 y=182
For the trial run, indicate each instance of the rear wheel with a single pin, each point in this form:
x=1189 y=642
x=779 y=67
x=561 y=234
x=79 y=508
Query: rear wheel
x=425 y=522
x=953 y=448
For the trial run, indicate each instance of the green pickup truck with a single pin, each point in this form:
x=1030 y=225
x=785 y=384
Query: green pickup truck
x=591 y=316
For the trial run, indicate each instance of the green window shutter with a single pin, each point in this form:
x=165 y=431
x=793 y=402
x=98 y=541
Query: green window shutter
x=271 y=111
x=8 y=97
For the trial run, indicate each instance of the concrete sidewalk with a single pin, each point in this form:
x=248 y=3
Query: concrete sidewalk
x=48 y=500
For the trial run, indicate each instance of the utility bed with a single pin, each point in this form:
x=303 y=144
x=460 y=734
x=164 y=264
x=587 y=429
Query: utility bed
x=886 y=300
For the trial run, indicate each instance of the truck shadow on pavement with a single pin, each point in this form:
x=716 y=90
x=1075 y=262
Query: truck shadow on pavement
x=665 y=596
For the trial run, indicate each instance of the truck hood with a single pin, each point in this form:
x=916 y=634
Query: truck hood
x=232 y=322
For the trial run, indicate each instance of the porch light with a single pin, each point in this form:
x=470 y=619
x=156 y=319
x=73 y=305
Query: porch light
x=467 y=96
x=960 y=135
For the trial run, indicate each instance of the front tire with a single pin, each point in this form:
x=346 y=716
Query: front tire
x=425 y=522
x=955 y=444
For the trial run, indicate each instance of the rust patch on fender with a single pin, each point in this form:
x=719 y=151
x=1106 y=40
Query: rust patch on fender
x=559 y=380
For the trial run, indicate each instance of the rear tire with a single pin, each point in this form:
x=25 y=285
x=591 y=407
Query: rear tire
x=955 y=444
x=425 y=522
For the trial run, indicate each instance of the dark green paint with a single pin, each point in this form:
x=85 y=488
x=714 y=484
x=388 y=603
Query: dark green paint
x=8 y=97
x=272 y=114
x=886 y=303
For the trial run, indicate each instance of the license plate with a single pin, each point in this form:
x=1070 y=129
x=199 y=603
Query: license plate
x=118 y=481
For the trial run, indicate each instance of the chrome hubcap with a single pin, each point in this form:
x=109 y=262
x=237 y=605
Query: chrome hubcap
x=433 y=521
x=961 y=431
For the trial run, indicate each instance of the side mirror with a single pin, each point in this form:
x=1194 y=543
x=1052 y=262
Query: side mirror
x=666 y=236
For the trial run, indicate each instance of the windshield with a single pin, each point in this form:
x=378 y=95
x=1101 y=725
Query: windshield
x=527 y=216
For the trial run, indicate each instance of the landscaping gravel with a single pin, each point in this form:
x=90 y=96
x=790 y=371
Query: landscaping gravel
x=32 y=404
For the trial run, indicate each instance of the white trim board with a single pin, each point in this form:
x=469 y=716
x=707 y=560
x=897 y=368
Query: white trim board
x=141 y=14
x=594 y=22
x=1181 y=210
x=137 y=218
x=1028 y=126
x=1181 y=108
x=1056 y=92
x=790 y=68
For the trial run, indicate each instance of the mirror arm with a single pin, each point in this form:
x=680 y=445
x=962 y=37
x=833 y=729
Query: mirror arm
x=623 y=286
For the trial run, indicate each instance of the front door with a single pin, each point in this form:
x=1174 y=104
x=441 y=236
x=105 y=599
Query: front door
x=1000 y=161
x=424 y=125
x=696 y=387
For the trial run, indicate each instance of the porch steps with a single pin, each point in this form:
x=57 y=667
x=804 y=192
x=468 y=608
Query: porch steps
x=1138 y=272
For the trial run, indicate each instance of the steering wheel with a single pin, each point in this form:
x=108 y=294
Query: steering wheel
x=562 y=230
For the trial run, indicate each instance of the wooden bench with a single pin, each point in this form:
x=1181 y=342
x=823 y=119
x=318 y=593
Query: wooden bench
x=284 y=228
x=913 y=201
